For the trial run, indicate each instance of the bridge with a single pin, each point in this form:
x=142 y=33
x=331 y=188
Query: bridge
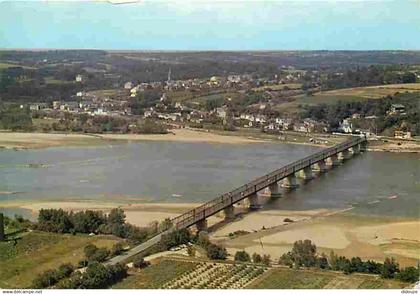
x=285 y=176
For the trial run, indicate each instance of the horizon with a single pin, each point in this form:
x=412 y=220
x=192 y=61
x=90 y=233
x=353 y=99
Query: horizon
x=211 y=26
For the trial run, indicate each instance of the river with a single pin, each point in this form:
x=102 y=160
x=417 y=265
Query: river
x=196 y=172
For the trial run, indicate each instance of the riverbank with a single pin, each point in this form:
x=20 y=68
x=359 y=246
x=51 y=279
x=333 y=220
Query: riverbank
x=274 y=231
x=19 y=141
x=369 y=237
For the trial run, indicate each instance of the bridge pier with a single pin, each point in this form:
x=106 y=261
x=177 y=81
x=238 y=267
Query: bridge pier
x=320 y=167
x=344 y=155
x=229 y=212
x=306 y=173
x=332 y=160
x=274 y=190
x=290 y=182
x=355 y=149
x=253 y=201
x=363 y=146
x=201 y=225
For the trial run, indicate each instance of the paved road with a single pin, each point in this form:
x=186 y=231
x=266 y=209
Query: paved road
x=136 y=250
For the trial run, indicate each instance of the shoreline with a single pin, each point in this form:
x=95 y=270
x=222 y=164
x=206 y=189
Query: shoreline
x=268 y=231
x=24 y=141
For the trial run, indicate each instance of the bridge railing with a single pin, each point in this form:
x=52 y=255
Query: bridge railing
x=211 y=207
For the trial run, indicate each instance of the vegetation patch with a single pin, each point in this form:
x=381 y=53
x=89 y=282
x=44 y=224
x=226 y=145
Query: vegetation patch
x=156 y=275
x=36 y=252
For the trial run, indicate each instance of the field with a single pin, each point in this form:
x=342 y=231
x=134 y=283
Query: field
x=209 y=275
x=156 y=275
x=284 y=278
x=279 y=87
x=36 y=252
x=51 y=80
x=8 y=65
x=348 y=94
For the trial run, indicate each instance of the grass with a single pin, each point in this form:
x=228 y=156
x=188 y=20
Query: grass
x=4 y=65
x=52 y=81
x=36 y=252
x=347 y=95
x=283 y=278
x=279 y=87
x=156 y=275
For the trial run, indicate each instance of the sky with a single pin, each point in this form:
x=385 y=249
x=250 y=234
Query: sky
x=211 y=25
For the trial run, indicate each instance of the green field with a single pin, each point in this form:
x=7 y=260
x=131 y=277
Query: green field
x=4 y=65
x=156 y=275
x=52 y=81
x=279 y=87
x=347 y=95
x=36 y=252
x=284 y=278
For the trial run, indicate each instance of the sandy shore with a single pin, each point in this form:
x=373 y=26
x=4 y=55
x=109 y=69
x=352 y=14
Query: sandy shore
x=11 y=140
x=268 y=232
x=349 y=235
x=184 y=135
x=140 y=214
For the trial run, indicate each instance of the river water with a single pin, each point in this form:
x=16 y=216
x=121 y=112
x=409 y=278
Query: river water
x=197 y=172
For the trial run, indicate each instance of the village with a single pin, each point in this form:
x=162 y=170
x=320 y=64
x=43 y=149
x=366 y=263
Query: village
x=165 y=104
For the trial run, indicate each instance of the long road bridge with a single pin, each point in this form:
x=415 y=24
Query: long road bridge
x=317 y=162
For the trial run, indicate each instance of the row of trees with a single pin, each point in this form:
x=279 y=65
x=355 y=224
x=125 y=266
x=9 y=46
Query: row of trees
x=304 y=254
x=368 y=76
x=60 y=221
x=243 y=256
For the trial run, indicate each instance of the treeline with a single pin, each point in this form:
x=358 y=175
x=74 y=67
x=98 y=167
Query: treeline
x=304 y=254
x=60 y=221
x=15 y=118
x=333 y=114
x=96 y=276
x=369 y=76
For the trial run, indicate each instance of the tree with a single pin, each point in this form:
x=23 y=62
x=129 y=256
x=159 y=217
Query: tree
x=45 y=280
x=409 y=274
x=90 y=250
x=322 y=262
x=139 y=262
x=242 y=256
x=175 y=238
x=64 y=271
x=389 y=268
x=216 y=252
x=304 y=253
x=117 y=249
x=286 y=259
x=266 y=259
x=256 y=258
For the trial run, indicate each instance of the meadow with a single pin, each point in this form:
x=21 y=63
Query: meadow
x=36 y=252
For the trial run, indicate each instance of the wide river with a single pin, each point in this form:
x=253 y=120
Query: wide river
x=196 y=172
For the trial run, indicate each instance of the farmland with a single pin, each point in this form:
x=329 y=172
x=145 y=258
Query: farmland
x=284 y=278
x=36 y=252
x=347 y=95
x=155 y=276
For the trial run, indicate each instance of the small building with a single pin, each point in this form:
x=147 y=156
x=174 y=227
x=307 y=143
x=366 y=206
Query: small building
x=128 y=85
x=221 y=112
x=397 y=109
x=38 y=106
x=402 y=135
x=346 y=126
x=79 y=78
